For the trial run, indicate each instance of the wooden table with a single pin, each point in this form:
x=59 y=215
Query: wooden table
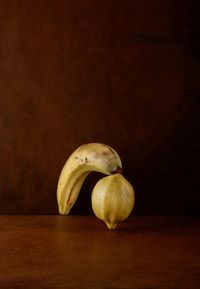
x=80 y=252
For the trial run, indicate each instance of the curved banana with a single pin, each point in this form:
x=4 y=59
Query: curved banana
x=85 y=159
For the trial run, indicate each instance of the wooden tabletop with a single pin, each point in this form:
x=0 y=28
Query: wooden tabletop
x=80 y=252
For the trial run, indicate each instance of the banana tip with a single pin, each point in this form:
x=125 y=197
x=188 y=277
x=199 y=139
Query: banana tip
x=118 y=170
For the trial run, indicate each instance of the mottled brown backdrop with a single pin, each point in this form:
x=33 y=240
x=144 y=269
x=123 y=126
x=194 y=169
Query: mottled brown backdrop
x=125 y=73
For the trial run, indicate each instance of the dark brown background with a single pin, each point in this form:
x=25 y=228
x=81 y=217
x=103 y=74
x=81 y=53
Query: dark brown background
x=125 y=73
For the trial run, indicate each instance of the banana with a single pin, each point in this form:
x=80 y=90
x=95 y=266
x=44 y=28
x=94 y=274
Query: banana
x=85 y=159
x=113 y=199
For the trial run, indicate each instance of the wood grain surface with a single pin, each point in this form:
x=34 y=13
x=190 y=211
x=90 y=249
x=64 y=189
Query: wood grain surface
x=80 y=252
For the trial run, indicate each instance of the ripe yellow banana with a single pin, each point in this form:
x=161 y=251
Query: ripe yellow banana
x=113 y=199
x=85 y=159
